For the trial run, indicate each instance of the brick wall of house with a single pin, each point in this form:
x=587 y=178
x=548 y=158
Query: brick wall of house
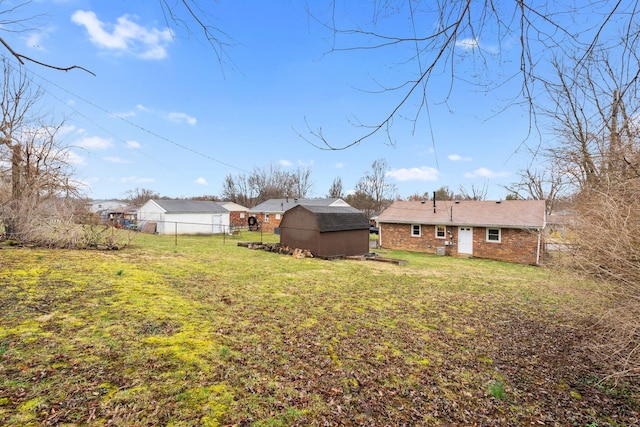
x=270 y=225
x=238 y=218
x=516 y=245
x=398 y=236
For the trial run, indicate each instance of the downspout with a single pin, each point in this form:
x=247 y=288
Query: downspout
x=538 y=249
x=540 y=231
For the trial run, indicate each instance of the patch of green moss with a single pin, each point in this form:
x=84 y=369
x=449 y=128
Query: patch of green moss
x=212 y=402
x=27 y=410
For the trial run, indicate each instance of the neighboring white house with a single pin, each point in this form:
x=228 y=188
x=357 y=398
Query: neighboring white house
x=104 y=205
x=185 y=216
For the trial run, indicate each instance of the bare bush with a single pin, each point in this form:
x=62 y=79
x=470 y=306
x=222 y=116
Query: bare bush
x=62 y=223
x=606 y=246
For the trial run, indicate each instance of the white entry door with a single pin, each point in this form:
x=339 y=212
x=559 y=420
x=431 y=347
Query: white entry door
x=216 y=224
x=465 y=240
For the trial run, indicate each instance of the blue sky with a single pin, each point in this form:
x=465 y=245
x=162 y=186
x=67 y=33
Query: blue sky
x=163 y=113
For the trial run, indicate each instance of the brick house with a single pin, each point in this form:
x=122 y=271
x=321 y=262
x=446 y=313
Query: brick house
x=269 y=214
x=507 y=230
x=238 y=214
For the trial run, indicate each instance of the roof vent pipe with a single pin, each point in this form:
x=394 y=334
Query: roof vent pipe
x=434 y=202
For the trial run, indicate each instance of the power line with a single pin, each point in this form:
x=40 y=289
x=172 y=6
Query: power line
x=130 y=123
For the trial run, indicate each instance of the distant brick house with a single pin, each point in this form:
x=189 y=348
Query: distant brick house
x=508 y=230
x=238 y=214
x=269 y=214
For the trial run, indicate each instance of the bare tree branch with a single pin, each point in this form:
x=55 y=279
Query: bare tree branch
x=541 y=31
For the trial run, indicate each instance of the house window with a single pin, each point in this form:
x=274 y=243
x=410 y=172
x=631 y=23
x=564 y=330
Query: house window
x=493 y=235
x=441 y=231
x=266 y=217
x=415 y=230
x=241 y=215
x=277 y=216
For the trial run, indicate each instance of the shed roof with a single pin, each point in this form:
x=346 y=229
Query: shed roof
x=189 y=206
x=282 y=205
x=479 y=213
x=335 y=218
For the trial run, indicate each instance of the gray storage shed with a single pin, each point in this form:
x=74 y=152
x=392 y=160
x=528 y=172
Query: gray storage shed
x=327 y=231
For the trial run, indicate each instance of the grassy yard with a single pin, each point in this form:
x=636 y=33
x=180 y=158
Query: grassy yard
x=204 y=332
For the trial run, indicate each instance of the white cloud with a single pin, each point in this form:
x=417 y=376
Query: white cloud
x=423 y=173
x=471 y=44
x=133 y=144
x=467 y=44
x=74 y=158
x=285 y=163
x=94 y=142
x=34 y=40
x=485 y=173
x=125 y=35
x=458 y=158
x=308 y=164
x=182 y=117
x=116 y=159
x=201 y=181
x=136 y=179
x=340 y=165
x=125 y=114
x=69 y=129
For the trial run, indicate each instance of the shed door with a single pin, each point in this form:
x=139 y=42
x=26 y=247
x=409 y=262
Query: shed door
x=465 y=240
x=216 y=223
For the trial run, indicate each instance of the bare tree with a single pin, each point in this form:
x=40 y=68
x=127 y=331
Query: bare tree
x=262 y=184
x=372 y=192
x=301 y=182
x=335 y=191
x=546 y=183
x=33 y=161
x=416 y=197
x=597 y=151
x=271 y=183
x=140 y=196
x=474 y=193
x=428 y=42
x=593 y=119
x=188 y=15
x=238 y=190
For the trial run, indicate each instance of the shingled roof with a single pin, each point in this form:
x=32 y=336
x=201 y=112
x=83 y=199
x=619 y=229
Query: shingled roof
x=336 y=218
x=282 y=205
x=189 y=206
x=505 y=213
